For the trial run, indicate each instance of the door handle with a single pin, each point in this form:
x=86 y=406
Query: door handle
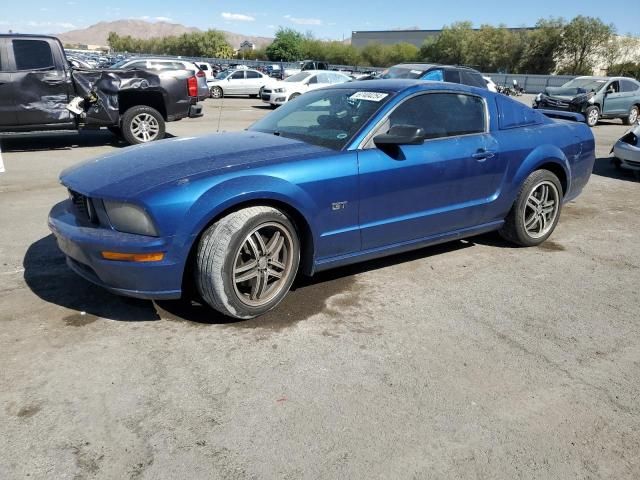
x=483 y=154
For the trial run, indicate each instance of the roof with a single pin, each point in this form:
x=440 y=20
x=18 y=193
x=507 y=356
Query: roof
x=27 y=35
x=426 y=66
x=399 y=85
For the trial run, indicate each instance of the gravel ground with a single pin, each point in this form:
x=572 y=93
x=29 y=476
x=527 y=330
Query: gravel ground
x=466 y=360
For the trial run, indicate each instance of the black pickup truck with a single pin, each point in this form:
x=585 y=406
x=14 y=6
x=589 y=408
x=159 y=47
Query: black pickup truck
x=41 y=91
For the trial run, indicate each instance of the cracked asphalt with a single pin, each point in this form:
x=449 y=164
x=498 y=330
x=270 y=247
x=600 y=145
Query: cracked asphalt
x=466 y=360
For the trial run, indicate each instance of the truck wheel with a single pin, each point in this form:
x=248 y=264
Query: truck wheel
x=142 y=124
x=592 y=114
x=536 y=211
x=247 y=261
x=633 y=116
x=216 y=92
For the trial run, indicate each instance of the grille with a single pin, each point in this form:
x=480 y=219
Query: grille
x=83 y=207
x=557 y=103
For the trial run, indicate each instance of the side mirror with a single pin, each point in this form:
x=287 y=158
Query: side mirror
x=400 y=135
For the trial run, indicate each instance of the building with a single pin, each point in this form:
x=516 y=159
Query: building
x=391 y=37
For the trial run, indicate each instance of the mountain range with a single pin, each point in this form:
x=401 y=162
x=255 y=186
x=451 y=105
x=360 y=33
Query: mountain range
x=97 y=34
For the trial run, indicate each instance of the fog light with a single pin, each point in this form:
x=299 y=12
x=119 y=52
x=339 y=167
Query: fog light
x=133 y=257
x=280 y=99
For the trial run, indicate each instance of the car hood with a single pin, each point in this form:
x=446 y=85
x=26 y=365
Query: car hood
x=565 y=93
x=134 y=170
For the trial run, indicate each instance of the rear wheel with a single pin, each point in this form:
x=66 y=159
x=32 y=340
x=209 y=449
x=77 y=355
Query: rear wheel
x=247 y=261
x=633 y=116
x=536 y=211
x=592 y=114
x=142 y=124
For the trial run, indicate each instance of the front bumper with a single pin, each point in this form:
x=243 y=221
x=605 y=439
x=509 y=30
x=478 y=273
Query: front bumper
x=82 y=244
x=629 y=155
x=274 y=98
x=548 y=103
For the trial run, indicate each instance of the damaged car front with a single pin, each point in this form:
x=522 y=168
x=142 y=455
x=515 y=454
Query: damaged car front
x=579 y=95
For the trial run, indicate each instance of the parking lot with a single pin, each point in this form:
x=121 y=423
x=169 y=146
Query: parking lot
x=471 y=359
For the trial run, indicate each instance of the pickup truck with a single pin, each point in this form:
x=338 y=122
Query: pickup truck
x=41 y=91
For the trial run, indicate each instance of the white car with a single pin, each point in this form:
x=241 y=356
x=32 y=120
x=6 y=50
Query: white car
x=239 y=82
x=300 y=83
x=207 y=69
x=491 y=85
x=626 y=151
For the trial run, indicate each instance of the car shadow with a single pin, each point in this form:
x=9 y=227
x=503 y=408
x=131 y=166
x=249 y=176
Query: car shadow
x=47 y=275
x=62 y=141
x=262 y=107
x=604 y=167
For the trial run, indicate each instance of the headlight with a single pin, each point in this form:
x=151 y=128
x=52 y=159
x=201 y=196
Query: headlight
x=278 y=90
x=129 y=218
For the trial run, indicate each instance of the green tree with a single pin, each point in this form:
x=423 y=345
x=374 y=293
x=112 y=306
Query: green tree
x=543 y=44
x=452 y=46
x=287 y=46
x=583 y=40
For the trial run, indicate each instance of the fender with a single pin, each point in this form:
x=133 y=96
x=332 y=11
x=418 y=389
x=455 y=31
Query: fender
x=537 y=157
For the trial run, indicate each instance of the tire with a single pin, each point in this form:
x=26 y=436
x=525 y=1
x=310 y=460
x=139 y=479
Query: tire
x=216 y=92
x=229 y=247
x=530 y=222
x=142 y=124
x=633 y=116
x=294 y=95
x=592 y=115
x=253 y=96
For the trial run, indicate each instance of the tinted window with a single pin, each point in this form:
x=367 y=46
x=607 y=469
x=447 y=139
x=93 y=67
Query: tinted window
x=237 y=76
x=472 y=78
x=514 y=114
x=452 y=76
x=434 y=75
x=442 y=114
x=141 y=65
x=32 y=54
x=203 y=66
x=313 y=79
x=251 y=74
x=628 y=86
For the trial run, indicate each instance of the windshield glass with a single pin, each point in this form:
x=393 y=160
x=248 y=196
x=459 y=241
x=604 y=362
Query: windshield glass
x=327 y=118
x=222 y=75
x=298 y=77
x=587 y=84
x=401 y=72
x=119 y=64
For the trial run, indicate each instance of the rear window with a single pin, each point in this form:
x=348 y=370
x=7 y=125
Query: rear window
x=513 y=114
x=32 y=54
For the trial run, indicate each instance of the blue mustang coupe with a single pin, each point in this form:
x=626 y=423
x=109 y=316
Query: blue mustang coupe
x=340 y=175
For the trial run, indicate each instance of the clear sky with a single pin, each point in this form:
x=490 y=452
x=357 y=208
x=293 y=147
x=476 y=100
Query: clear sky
x=333 y=19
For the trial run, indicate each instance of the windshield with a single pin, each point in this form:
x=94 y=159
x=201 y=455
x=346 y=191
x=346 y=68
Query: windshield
x=327 y=118
x=587 y=84
x=298 y=77
x=222 y=75
x=401 y=72
x=119 y=64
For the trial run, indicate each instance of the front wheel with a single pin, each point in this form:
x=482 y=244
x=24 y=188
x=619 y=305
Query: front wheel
x=247 y=261
x=536 y=211
x=216 y=92
x=592 y=115
x=632 y=117
x=142 y=124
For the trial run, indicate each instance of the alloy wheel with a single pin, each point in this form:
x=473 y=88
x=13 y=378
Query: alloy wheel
x=263 y=264
x=541 y=209
x=145 y=127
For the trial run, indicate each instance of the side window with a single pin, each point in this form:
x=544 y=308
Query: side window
x=442 y=114
x=473 y=79
x=452 y=76
x=613 y=86
x=434 y=75
x=323 y=78
x=313 y=79
x=237 y=76
x=337 y=78
x=252 y=74
x=141 y=65
x=628 y=86
x=32 y=54
x=204 y=67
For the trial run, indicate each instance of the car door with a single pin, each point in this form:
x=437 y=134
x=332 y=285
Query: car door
x=614 y=100
x=254 y=82
x=42 y=84
x=8 y=115
x=441 y=186
x=630 y=90
x=235 y=83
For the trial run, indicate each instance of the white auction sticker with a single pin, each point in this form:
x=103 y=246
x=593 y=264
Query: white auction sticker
x=370 y=96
